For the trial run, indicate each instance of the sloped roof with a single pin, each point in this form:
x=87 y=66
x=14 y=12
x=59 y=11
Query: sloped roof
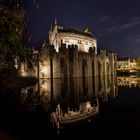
x=71 y=30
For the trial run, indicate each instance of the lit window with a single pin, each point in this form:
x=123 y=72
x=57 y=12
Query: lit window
x=79 y=41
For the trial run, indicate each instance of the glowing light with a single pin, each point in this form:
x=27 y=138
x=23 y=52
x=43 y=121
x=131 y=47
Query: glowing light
x=88 y=105
x=86 y=30
x=44 y=71
x=83 y=45
x=23 y=70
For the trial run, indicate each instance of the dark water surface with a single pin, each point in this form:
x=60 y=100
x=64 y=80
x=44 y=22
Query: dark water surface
x=26 y=113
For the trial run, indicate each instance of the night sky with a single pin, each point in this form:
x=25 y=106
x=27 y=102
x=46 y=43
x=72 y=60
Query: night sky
x=115 y=23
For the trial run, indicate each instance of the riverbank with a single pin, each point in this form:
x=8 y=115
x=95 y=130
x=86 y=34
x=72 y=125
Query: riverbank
x=12 y=82
x=10 y=78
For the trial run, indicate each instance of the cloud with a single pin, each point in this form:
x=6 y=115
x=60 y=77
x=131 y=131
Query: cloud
x=135 y=39
x=118 y=27
x=130 y=24
x=113 y=28
x=105 y=18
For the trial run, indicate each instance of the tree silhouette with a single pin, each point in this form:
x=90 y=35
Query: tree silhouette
x=12 y=28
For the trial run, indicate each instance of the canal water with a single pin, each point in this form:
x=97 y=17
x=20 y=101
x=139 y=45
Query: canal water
x=75 y=107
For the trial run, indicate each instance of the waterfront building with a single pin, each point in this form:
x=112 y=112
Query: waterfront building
x=126 y=64
x=73 y=53
x=70 y=53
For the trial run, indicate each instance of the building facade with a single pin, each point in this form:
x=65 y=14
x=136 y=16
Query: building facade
x=73 y=53
x=69 y=53
x=126 y=64
x=83 y=39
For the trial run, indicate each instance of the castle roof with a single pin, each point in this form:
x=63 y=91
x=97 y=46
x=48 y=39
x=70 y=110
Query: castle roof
x=71 y=30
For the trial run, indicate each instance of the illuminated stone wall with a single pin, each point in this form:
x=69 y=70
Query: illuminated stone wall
x=58 y=35
x=69 y=53
x=69 y=62
x=27 y=69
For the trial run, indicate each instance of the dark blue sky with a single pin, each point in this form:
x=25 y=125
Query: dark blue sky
x=115 y=23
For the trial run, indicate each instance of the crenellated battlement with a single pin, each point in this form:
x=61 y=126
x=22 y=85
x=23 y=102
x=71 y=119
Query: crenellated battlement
x=73 y=53
x=69 y=62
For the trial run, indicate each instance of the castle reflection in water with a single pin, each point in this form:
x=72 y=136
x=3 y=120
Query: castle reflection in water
x=130 y=81
x=70 y=98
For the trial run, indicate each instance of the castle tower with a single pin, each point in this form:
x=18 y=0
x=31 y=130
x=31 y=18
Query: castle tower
x=84 y=40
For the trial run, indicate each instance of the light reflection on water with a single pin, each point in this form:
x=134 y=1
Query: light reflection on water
x=98 y=104
x=130 y=81
x=70 y=99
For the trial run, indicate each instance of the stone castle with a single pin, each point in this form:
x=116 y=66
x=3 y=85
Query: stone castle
x=72 y=53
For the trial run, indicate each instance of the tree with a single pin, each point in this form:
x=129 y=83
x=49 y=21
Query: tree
x=12 y=28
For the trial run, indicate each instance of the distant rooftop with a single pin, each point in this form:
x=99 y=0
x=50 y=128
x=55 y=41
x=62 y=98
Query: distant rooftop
x=125 y=59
